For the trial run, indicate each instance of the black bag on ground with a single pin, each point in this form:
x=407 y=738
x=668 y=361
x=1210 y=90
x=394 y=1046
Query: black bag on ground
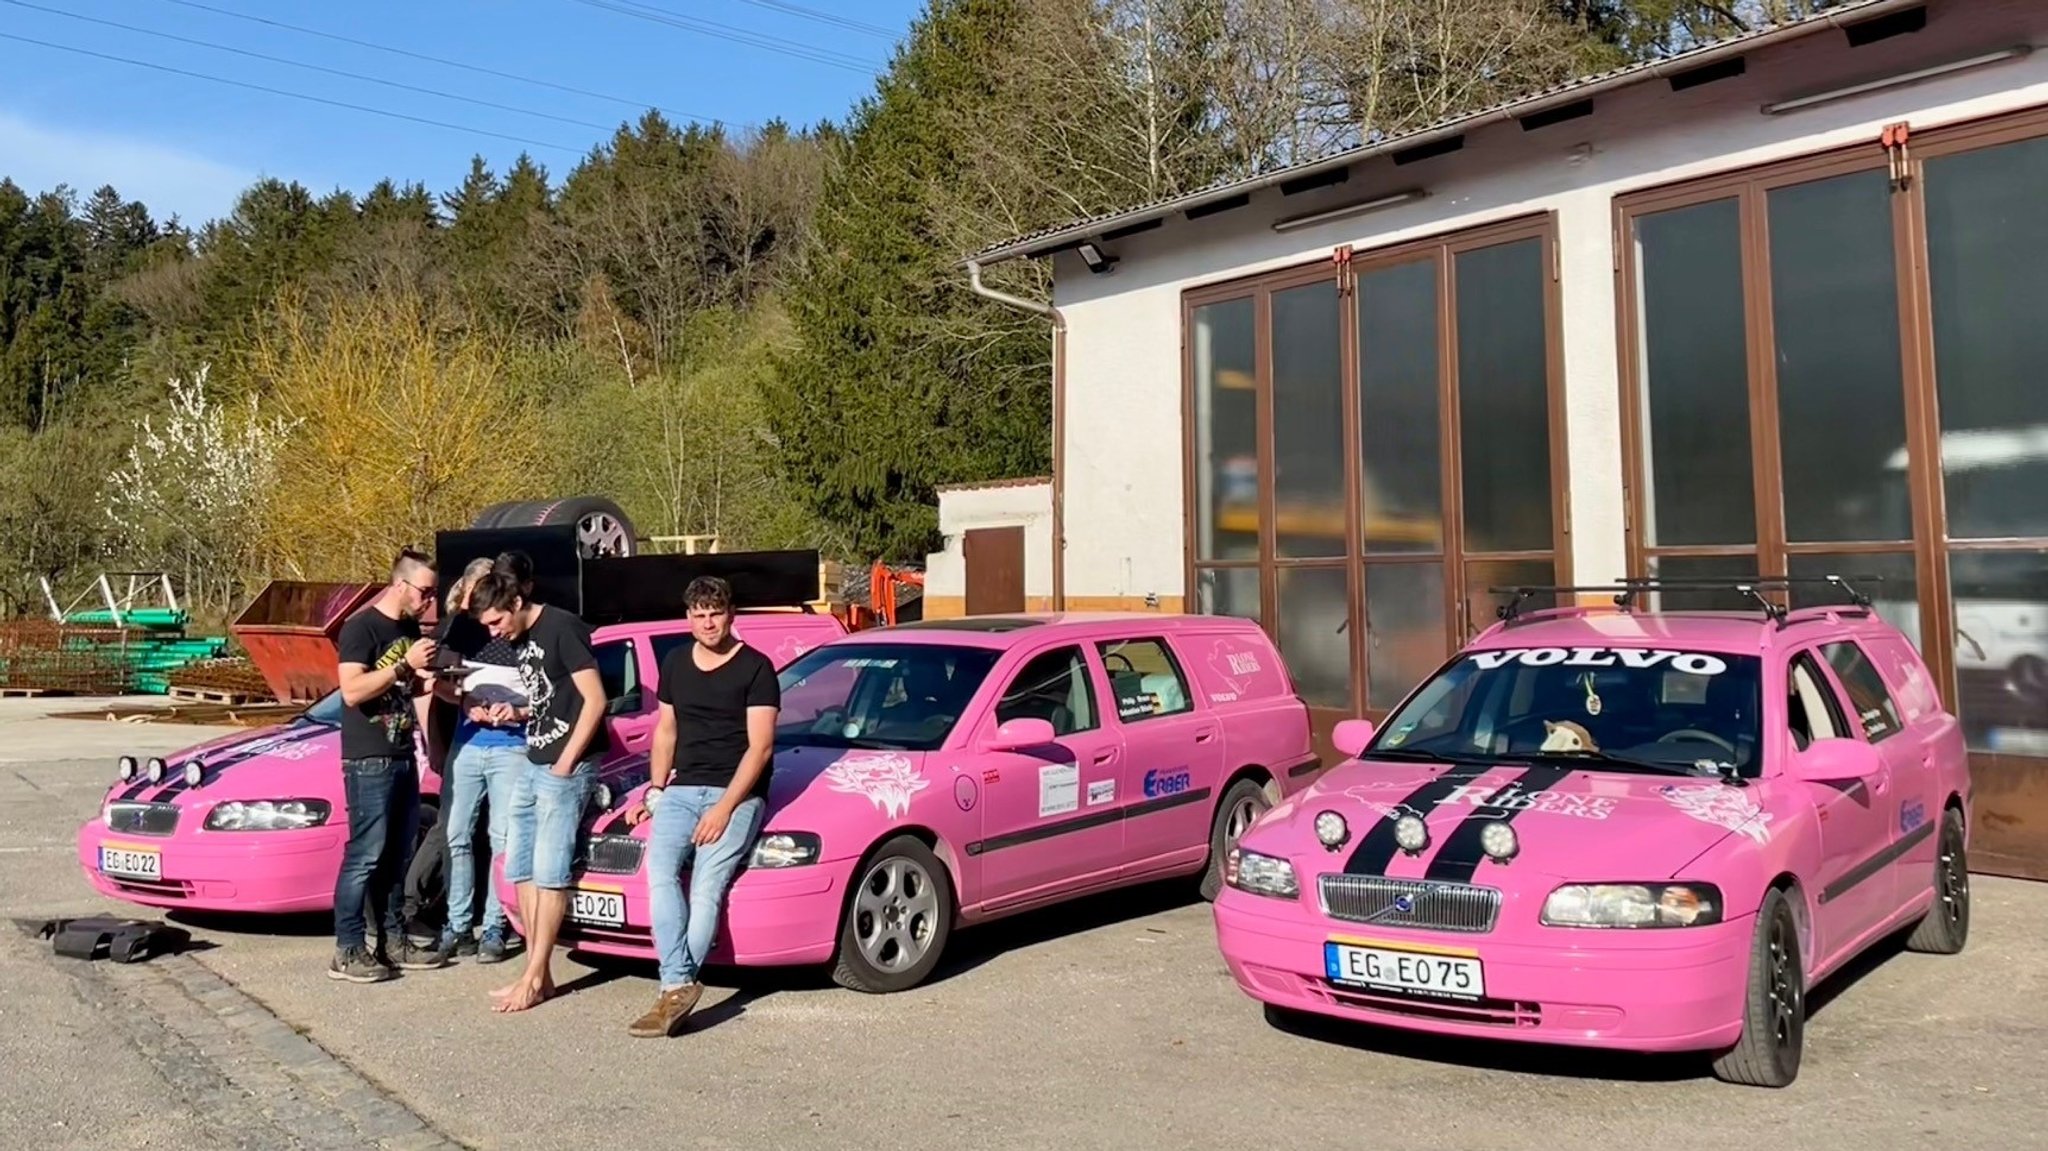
x=108 y=937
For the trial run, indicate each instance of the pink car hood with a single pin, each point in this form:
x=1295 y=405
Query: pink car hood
x=1571 y=824
x=838 y=794
x=300 y=758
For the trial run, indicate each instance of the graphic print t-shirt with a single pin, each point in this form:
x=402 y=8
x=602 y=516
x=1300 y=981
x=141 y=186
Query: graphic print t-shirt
x=556 y=647
x=711 y=714
x=384 y=724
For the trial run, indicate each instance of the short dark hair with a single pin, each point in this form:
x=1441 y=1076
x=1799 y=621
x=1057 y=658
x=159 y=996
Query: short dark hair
x=498 y=591
x=708 y=592
x=516 y=564
x=409 y=558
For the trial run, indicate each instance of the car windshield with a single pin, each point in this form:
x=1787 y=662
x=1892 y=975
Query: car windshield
x=326 y=710
x=902 y=696
x=1622 y=709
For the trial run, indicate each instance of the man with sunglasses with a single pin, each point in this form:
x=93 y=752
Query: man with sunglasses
x=385 y=697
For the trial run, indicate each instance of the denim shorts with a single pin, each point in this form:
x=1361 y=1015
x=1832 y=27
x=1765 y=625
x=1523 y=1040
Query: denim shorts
x=547 y=814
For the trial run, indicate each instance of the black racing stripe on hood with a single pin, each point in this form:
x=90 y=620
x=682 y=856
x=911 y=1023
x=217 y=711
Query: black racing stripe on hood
x=220 y=761
x=1376 y=847
x=1458 y=860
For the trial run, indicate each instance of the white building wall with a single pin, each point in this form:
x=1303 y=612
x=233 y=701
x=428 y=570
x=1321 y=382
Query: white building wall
x=962 y=509
x=1125 y=513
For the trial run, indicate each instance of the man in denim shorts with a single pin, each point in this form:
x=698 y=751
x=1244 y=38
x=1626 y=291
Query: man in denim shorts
x=565 y=738
x=382 y=673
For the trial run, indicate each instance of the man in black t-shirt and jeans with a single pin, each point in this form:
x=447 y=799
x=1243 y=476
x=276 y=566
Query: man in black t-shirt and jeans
x=565 y=738
x=384 y=701
x=719 y=699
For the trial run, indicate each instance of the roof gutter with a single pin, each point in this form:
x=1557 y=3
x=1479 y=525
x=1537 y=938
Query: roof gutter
x=1059 y=419
x=1573 y=94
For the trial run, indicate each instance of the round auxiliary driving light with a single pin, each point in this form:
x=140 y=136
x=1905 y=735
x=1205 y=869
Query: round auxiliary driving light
x=604 y=795
x=1498 y=841
x=1331 y=830
x=1411 y=833
x=195 y=773
x=127 y=768
x=156 y=770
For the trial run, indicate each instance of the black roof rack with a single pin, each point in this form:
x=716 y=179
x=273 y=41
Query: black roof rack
x=1626 y=590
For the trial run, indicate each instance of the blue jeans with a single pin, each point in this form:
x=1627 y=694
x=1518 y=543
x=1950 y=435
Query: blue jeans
x=475 y=771
x=547 y=814
x=383 y=798
x=682 y=938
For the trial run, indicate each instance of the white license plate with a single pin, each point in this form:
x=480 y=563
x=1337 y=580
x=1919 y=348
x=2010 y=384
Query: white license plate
x=1409 y=972
x=604 y=908
x=133 y=864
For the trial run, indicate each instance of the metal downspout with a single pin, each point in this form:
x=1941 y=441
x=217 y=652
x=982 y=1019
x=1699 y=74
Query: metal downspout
x=1059 y=419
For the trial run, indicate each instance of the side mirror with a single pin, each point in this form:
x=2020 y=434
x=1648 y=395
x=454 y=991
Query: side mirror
x=1351 y=736
x=626 y=704
x=1022 y=733
x=1830 y=760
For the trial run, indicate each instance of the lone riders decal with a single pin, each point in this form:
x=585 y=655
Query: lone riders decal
x=1721 y=805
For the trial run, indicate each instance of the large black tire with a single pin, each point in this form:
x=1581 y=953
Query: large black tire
x=897 y=919
x=491 y=516
x=1245 y=802
x=601 y=527
x=1774 y=1007
x=1947 y=924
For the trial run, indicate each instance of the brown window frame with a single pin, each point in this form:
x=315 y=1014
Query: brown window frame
x=1342 y=270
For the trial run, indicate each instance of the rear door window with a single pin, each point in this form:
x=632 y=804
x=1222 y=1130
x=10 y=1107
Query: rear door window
x=1145 y=680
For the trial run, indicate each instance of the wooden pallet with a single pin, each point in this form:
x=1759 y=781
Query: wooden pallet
x=24 y=692
x=210 y=695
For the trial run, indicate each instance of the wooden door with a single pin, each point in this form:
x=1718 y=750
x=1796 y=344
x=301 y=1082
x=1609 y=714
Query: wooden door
x=995 y=570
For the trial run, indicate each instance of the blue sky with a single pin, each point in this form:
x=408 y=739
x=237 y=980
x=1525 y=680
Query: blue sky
x=188 y=145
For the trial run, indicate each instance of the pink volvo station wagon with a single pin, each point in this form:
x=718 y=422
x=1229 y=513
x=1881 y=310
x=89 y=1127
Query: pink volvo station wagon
x=1650 y=832
x=256 y=822
x=955 y=771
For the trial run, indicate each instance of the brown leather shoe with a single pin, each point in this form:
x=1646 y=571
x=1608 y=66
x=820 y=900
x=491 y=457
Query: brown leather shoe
x=666 y=1017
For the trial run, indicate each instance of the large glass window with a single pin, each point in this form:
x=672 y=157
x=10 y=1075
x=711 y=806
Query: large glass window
x=1364 y=549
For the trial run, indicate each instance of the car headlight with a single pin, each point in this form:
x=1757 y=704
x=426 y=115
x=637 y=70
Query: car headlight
x=127 y=767
x=1633 y=905
x=1260 y=874
x=1499 y=841
x=602 y=796
x=1331 y=830
x=268 y=814
x=1411 y=834
x=785 y=849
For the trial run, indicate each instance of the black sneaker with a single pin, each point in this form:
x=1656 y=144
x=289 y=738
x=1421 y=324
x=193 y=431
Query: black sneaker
x=357 y=965
x=411 y=956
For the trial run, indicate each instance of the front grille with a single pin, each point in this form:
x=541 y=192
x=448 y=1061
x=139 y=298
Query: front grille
x=1409 y=903
x=613 y=854
x=141 y=818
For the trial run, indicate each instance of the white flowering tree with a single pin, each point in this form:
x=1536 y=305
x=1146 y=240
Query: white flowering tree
x=191 y=495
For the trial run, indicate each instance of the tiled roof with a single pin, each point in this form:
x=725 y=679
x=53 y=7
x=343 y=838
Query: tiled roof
x=1046 y=240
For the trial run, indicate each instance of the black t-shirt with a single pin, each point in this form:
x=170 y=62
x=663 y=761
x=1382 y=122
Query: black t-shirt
x=384 y=724
x=556 y=647
x=711 y=714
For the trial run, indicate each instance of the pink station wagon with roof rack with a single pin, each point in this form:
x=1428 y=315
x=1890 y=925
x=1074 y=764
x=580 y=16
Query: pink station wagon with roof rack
x=256 y=822
x=1622 y=829
x=953 y=771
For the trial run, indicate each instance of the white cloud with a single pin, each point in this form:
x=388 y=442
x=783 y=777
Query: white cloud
x=38 y=157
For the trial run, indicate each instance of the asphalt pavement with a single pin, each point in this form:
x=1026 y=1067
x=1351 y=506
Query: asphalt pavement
x=1109 y=1023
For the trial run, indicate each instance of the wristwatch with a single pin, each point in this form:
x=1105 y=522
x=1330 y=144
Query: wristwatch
x=651 y=797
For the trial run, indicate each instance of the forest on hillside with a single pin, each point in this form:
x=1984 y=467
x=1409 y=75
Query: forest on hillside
x=758 y=334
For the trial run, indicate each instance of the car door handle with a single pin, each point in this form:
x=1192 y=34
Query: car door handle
x=1105 y=756
x=1205 y=735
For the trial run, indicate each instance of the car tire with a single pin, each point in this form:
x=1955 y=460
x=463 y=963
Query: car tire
x=1946 y=926
x=904 y=881
x=1774 y=1006
x=494 y=515
x=601 y=527
x=1243 y=803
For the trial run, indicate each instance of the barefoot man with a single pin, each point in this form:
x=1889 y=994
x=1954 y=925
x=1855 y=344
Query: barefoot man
x=565 y=737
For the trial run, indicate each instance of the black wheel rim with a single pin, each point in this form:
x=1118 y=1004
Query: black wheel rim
x=1786 y=988
x=1954 y=880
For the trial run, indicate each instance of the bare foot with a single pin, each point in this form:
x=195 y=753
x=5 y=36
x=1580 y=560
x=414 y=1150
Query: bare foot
x=527 y=994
